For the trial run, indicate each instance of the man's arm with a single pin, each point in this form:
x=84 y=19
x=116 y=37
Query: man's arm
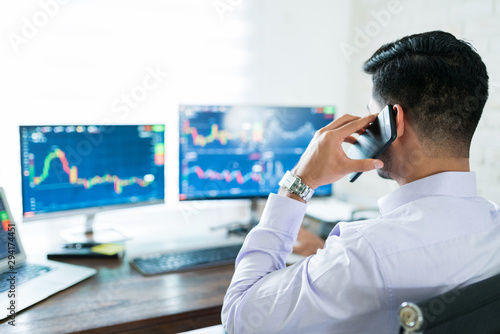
x=265 y=295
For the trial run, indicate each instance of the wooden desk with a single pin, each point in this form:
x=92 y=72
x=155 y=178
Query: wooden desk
x=118 y=299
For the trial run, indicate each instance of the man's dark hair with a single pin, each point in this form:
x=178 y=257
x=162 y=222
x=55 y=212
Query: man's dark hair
x=441 y=83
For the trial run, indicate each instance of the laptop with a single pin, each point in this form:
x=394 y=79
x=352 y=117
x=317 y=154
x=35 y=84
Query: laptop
x=23 y=283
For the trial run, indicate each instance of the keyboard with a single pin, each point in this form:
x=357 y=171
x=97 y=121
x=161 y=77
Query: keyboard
x=164 y=263
x=21 y=274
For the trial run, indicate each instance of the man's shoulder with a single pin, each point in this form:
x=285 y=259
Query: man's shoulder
x=423 y=222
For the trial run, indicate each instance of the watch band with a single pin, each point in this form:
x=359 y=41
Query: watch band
x=294 y=184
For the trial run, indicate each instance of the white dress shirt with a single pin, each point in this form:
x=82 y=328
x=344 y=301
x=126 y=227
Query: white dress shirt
x=433 y=235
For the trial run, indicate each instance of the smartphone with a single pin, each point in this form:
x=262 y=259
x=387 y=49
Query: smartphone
x=376 y=138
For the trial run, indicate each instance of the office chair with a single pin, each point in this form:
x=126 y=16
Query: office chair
x=470 y=309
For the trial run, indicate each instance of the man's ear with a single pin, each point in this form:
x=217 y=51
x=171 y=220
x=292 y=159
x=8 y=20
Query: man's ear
x=400 y=120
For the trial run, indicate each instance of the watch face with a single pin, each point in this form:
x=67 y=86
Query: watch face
x=295 y=185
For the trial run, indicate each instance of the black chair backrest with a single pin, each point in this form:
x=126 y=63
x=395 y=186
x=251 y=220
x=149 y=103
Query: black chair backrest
x=471 y=309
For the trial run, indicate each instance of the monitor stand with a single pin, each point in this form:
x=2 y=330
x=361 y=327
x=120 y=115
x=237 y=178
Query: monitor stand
x=242 y=228
x=90 y=234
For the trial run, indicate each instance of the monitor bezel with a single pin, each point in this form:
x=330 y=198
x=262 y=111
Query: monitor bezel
x=236 y=197
x=88 y=211
x=94 y=209
x=263 y=196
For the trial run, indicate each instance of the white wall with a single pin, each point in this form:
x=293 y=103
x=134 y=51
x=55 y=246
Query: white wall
x=72 y=61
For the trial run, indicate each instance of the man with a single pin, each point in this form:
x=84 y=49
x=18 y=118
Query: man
x=434 y=232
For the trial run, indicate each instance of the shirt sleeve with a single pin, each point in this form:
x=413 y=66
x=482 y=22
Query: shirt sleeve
x=334 y=291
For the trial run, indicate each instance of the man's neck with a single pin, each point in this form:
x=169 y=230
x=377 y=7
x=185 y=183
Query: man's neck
x=433 y=166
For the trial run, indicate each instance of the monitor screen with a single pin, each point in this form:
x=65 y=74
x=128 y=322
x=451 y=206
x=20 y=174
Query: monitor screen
x=69 y=168
x=8 y=239
x=243 y=151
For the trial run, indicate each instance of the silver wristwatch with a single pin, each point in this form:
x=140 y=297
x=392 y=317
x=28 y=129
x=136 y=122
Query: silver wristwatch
x=294 y=184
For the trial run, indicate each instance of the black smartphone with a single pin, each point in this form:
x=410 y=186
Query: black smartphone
x=376 y=138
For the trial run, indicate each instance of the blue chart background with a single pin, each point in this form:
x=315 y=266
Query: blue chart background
x=283 y=134
x=125 y=151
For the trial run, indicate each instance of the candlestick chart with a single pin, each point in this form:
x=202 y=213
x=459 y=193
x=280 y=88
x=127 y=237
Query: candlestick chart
x=69 y=167
x=242 y=151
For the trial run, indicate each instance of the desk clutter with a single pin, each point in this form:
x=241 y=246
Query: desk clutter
x=330 y=211
x=87 y=250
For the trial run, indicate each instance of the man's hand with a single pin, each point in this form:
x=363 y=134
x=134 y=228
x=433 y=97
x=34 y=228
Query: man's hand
x=325 y=161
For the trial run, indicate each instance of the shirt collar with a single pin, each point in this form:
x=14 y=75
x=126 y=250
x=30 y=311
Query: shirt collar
x=455 y=184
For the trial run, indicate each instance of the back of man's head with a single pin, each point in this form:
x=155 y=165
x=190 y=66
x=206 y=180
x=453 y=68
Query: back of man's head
x=441 y=84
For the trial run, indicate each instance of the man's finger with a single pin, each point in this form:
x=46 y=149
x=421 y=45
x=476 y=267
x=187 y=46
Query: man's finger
x=357 y=125
x=350 y=140
x=364 y=165
x=343 y=120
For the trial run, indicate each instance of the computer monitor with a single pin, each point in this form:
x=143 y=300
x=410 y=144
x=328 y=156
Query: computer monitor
x=228 y=152
x=86 y=169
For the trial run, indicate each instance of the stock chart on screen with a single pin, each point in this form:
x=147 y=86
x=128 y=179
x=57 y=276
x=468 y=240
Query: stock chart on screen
x=68 y=167
x=243 y=151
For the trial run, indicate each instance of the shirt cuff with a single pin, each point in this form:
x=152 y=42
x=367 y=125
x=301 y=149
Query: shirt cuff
x=283 y=214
